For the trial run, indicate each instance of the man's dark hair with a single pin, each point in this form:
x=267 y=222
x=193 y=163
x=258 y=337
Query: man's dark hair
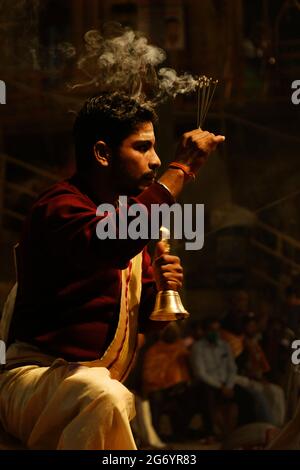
x=110 y=117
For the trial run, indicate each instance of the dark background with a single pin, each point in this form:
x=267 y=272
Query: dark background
x=250 y=188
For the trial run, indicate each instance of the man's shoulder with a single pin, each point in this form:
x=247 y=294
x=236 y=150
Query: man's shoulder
x=61 y=195
x=66 y=187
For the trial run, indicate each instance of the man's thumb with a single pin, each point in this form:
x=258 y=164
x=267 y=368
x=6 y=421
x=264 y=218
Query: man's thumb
x=160 y=249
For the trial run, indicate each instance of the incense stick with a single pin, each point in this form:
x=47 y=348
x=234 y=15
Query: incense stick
x=206 y=91
x=209 y=101
x=198 y=105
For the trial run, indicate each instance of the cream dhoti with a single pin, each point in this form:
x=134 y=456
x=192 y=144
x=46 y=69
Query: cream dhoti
x=50 y=403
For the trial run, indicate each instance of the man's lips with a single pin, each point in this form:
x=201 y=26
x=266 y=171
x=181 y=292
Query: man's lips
x=149 y=180
x=150 y=177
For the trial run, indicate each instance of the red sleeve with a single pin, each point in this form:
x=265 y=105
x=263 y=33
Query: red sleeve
x=70 y=228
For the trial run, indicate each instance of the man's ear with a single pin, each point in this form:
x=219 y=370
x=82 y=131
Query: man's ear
x=102 y=153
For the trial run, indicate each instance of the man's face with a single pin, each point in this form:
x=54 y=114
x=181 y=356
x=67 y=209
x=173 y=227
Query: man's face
x=136 y=163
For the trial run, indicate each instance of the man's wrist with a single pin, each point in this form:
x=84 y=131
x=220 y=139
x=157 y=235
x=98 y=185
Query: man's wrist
x=164 y=186
x=188 y=173
x=173 y=178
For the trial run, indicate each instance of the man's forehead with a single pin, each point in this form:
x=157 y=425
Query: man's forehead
x=144 y=131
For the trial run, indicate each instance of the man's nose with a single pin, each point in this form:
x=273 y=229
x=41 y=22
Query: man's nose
x=154 y=162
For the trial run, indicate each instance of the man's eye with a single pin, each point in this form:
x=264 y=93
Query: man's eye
x=142 y=147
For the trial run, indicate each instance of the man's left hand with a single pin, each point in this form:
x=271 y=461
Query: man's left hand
x=168 y=272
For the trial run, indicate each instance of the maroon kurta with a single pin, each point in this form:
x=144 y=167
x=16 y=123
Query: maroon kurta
x=69 y=280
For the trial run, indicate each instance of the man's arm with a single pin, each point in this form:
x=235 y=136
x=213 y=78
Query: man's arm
x=69 y=228
x=71 y=223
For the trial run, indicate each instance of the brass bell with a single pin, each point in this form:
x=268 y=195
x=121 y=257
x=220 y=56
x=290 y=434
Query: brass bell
x=168 y=305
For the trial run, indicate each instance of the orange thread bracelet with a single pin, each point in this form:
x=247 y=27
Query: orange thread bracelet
x=181 y=166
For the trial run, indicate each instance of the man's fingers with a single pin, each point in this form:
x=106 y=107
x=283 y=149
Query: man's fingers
x=176 y=268
x=210 y=137
x=171 y=285
x=219 y=138
x=196 y=133
x=172 y=277
x=207 y=145
x=165 y=258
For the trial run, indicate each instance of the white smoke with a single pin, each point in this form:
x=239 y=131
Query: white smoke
x=113 y=59
x=119 y=59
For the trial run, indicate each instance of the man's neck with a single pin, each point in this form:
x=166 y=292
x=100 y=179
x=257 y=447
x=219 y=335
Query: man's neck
x=100 y=188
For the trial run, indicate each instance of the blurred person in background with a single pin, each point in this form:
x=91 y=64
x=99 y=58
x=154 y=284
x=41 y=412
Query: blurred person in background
x=168 y=385
x=256 y=367
x=213 y=366
x=232 y=322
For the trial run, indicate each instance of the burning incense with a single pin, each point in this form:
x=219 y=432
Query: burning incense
x=206 y=91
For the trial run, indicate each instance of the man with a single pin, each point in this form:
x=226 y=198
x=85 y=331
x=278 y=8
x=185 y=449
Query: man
x=166 y=381
x=256 y=368
x=81 y=301
x=213 y=364
x=232 y=323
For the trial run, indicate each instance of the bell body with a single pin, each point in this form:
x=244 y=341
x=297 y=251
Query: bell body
x=168 y=307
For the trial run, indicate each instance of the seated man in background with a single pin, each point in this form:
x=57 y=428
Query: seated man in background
x=167 y=382
x=226 y=393
x=213 y=365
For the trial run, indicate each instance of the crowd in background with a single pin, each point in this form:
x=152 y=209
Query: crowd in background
x=205 y=379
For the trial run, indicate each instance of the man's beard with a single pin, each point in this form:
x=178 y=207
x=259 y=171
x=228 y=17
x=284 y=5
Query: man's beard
x=125 y=184
x=135 y=187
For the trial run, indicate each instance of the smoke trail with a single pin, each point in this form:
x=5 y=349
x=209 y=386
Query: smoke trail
x=113 y=59
x=118 y=58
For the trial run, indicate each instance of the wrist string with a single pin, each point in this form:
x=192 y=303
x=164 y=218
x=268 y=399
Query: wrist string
x=186 y=170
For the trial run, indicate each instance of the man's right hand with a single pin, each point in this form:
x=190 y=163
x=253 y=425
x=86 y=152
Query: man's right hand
x=193 y=150
x=195 y=146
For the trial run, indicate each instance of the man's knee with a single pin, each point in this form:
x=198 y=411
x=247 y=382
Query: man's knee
x=95 y=383
x=119 y=397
